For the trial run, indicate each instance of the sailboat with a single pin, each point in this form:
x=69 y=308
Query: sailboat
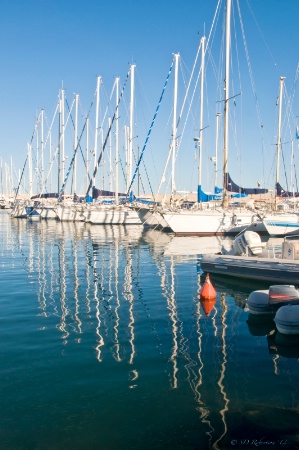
x=111 y=211
x=201 y=220
x=280 y=223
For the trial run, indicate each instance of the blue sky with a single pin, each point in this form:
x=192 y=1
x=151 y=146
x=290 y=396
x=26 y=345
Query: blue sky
x=46 y=45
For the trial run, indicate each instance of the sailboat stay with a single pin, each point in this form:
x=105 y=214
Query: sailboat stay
x=221 y=220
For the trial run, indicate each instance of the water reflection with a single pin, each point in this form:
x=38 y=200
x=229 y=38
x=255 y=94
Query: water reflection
x=123 y=298
x=286 y=346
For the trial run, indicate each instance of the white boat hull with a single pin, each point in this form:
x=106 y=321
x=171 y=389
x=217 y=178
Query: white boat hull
x=282 y=224
x=48 y=212
x=151 y=218
x=70 y=213
x=210 y=223
x=112 y=215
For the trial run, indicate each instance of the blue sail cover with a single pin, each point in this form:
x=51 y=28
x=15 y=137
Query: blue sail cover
x=280 y=192
x=96 y=193
x=203 y=197
x=47 y=195
x=233 y=187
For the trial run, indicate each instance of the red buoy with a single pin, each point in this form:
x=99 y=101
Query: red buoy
x=208 y=291
x=207 y=305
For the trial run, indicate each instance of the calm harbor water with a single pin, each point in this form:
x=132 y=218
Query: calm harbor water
x=105 y=345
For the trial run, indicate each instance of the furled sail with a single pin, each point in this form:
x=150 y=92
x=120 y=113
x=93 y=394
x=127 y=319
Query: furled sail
x=280 y=192
x=233 y=187
x=203 y=197
x=96 y=193
x=46 y=195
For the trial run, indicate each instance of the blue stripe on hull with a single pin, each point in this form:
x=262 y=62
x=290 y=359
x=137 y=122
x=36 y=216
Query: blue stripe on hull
x=283 y=224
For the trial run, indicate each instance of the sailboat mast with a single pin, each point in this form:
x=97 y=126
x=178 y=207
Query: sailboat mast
x=62 y=132
x=42 y=150
x=218 y=114
x=226 y=99
x=37 y=187
x=174 y=123
x=281 y=81
x=76 y=142
x=110 y=157
x=199 y=196
x=97 y=128
x=87 y=149
x=116 y=141
x=30 y=168
x=59 y=147
x=130 y=147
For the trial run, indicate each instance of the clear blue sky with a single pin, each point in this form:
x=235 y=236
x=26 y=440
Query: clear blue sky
x=45 y=45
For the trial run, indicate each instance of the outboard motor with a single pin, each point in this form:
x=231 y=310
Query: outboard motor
x=247 y=243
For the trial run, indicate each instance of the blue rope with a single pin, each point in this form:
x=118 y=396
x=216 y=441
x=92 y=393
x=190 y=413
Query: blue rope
x=151 y=127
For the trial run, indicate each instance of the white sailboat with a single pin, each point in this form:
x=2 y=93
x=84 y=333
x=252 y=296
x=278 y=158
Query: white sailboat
x=200 y=220
x=115 y=213
x=280 y=223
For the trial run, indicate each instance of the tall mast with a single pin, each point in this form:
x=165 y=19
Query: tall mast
x=226 y=99
x=199 y=196
x=59 y=147
x=30 y=168
x=87 y=146
x=116 y=141
x=37 y=187
x=50 y=157
x=110 y=157
x=62 y=133
x=281 y=82
x=126 y=138
x=174 y=123
x=218 y=114
x=42 y=150
x=97 y=128
x=76 y=142
x=130 y=148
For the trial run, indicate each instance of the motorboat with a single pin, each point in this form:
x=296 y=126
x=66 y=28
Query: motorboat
x=283 y=269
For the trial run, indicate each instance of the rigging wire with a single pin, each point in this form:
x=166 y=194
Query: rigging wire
x=144 y=95
x=107 y=135
x=73 y=158
x=30 y=142
x=288 y=113
x=57 y=148
x=252 y=84
x=150 y=130
x=264 y=40
x=210 y=36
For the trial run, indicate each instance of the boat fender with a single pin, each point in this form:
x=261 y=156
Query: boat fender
x=287 y=319
x=258 y=302
x=235 y=220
